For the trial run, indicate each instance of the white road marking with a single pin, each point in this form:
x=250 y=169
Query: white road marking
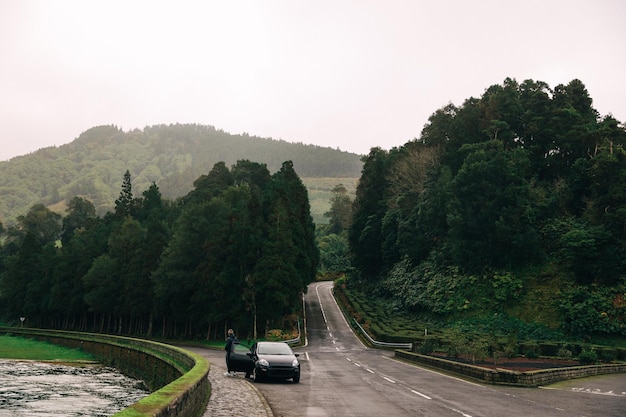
x=369 y=370
x=389 y=379
x=350 y=360
x=307 y=355
x=438 y=373
x=420 y=394
x=460 y=412
x=357 y=364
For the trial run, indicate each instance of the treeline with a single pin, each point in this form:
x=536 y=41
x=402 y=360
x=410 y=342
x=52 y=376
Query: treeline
x=172 y=156
x=511 y=204
x=236 y=251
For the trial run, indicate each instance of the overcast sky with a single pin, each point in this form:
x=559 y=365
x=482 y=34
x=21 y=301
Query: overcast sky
x=345 y=74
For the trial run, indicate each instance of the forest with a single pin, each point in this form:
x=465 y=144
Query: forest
x=172 y=156
x=510 y=207
x=236 y=251
x=507 y=213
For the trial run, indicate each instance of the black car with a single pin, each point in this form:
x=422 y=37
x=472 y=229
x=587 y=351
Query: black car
x=266 y=360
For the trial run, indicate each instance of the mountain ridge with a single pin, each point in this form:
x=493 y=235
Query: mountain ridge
x=172 y=156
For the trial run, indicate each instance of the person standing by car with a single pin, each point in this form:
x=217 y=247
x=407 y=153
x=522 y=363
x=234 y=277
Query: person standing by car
x=232 y=339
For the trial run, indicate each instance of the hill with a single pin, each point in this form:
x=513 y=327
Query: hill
x=172 y=156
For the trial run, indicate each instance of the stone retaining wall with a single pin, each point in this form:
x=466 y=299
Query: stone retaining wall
x=508 y=377
x=178 y=378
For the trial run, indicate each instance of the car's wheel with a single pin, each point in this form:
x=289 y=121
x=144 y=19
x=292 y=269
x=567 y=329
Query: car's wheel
x=296 y=378
x=256 y=377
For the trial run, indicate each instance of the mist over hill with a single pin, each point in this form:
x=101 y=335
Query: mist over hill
x=172 y=156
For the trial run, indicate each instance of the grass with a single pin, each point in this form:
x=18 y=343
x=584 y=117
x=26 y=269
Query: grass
x=12 y=347
x=320 y=193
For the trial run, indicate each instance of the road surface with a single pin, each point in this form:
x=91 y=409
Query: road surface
x=342 y=377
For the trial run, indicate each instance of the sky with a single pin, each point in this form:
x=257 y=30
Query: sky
x=345 y=74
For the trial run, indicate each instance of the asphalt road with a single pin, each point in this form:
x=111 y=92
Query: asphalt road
x=342 y=377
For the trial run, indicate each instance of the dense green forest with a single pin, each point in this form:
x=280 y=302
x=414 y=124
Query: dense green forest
x=509 y=208
x=507 y=214
x=238 y=250
x=172 y=156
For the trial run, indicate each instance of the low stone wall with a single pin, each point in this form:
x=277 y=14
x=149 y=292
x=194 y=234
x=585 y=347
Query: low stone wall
x=508 y=377
x=178 y=378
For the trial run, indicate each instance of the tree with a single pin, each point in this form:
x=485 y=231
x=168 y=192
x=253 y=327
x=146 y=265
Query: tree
x=490 y=216
x=340 y=212
x=42 y=223
x=368 y=211
x=81 y=213
x=124 y=205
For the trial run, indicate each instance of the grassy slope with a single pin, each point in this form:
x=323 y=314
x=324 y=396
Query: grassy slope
x=319 y=190
x=12 y=347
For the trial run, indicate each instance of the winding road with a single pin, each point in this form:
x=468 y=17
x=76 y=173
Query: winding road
x=342 y=377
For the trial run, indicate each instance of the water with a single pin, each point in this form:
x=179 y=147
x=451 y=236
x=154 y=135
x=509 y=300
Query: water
x=34 y=389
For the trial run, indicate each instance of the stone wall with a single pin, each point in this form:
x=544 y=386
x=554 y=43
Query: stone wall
x=178 y=378
x=508 y=377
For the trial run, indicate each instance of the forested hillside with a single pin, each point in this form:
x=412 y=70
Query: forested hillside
x=172 y=156
x=508 y=209
x=236 y=251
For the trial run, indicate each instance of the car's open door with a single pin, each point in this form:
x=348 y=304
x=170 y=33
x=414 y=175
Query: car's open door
x=240 y=360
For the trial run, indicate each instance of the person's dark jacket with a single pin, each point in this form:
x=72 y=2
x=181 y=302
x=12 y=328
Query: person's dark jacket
x=229 y=342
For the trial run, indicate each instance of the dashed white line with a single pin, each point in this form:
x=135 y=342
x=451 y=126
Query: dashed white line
x=369 y=370
x=460 y=412
x=420 y=394
x=389 y=379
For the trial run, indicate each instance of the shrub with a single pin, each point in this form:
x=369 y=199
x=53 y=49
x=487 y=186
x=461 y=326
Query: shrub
x=427 y=347
x=275 y=335
x=588 y=357
x=477 y=349
x=564 y=353
x=510 y=350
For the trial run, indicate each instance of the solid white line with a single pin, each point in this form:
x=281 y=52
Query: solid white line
x=421 y=395
x=390 y=380
x=435 y=372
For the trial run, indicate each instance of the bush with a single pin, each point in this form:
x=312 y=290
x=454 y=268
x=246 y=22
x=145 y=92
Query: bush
x=564 y=353
x=477 y=349
x=588 y=357
x=510 y=350
x=428 y=346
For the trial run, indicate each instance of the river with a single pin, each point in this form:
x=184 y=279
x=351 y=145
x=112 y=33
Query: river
x=36 y=389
